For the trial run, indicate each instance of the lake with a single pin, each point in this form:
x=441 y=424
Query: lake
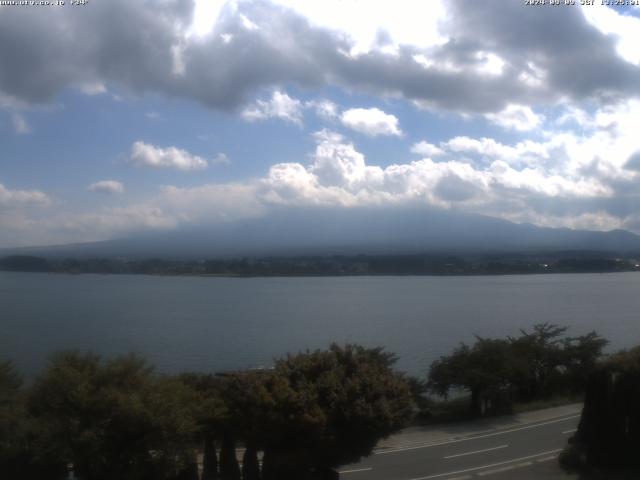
x=215 y=324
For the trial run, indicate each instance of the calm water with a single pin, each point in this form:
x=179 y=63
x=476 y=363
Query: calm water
x=182 y=323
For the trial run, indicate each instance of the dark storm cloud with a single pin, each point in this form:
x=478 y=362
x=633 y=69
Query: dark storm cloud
x=141 y=46
x=129 y=43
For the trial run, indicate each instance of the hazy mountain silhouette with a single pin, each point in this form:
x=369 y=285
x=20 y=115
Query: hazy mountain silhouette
x=324 y=231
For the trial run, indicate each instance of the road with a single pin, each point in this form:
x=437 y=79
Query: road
x=496 y=452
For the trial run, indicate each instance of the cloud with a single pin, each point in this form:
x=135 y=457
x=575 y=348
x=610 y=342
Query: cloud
x=579 y=179
x=516 y=117
x=19 y=198
x=20 y=124
x=146 y=155
x=633 y=163
x=370 y=121
x=280 y=106
x=325 y=109
x=111 y=187
x=427 y=149
x=476 y=59
x=92 y=88
x=221 y=159
x=526 y=152
x=624 y=28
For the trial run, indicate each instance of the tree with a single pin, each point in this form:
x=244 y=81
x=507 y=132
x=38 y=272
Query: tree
x=250 y=464
x=115 y=418
x=537 y=356
x=22 y=453
x=609 y=431
x=11 y=415
x=496 y=372
x=329 y=408
x=483 y=369
x=212 y=416
x=581 y=355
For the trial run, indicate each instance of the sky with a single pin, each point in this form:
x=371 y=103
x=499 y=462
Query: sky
x=119 y=117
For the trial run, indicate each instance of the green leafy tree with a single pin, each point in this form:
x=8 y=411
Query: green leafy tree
x=534 y=364
x=11 y=415
x=537 y=356
x=114 y=419
x=212 y=417
x=328 y=408
x=483 y=369
x=581 y=355
x=22 y=453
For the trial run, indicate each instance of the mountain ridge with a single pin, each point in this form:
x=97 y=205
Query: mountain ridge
x=347 y=231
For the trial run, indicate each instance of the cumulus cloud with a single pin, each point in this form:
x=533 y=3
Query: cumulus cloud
x=147 y=155
x=427 y=149
x=526 y=152
x=584 y=179
x=370 y=121
x=339 y=175
x=325 y=109
x=111 y=187
x=280 y=106
x=624 y=28
x=516 y=117
x=574 y=180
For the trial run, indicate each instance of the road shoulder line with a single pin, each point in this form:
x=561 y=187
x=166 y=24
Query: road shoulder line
x=476 y=436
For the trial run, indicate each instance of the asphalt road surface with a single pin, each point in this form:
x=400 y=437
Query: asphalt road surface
x=505 y=453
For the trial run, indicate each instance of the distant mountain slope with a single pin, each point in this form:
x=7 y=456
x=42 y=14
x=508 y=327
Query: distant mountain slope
x=349 y=231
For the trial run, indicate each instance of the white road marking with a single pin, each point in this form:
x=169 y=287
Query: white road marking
x=473 y=469
x=477 y=451
x=466 y=439
x=570 y=431
x=355 y=470
x=504 y=469
x=547 y=459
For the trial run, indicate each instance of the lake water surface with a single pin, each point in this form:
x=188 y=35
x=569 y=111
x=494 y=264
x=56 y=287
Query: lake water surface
x=198 y=323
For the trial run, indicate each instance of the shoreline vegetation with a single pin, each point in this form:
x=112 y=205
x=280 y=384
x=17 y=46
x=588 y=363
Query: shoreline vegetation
x=336 y=265
x=311 y=413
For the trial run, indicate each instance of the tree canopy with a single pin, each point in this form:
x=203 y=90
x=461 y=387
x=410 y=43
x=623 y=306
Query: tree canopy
x=117 y=418
x=533 y=365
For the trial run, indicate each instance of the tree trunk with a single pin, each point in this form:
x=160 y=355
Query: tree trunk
x=277 y=465
x=209 y=460
x=476 y=402
x=250 y=464
x=189 y=473
x=268 y=468
x=229 y=468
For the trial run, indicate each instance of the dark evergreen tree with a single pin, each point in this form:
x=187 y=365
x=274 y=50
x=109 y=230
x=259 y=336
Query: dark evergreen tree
x=609 y=429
